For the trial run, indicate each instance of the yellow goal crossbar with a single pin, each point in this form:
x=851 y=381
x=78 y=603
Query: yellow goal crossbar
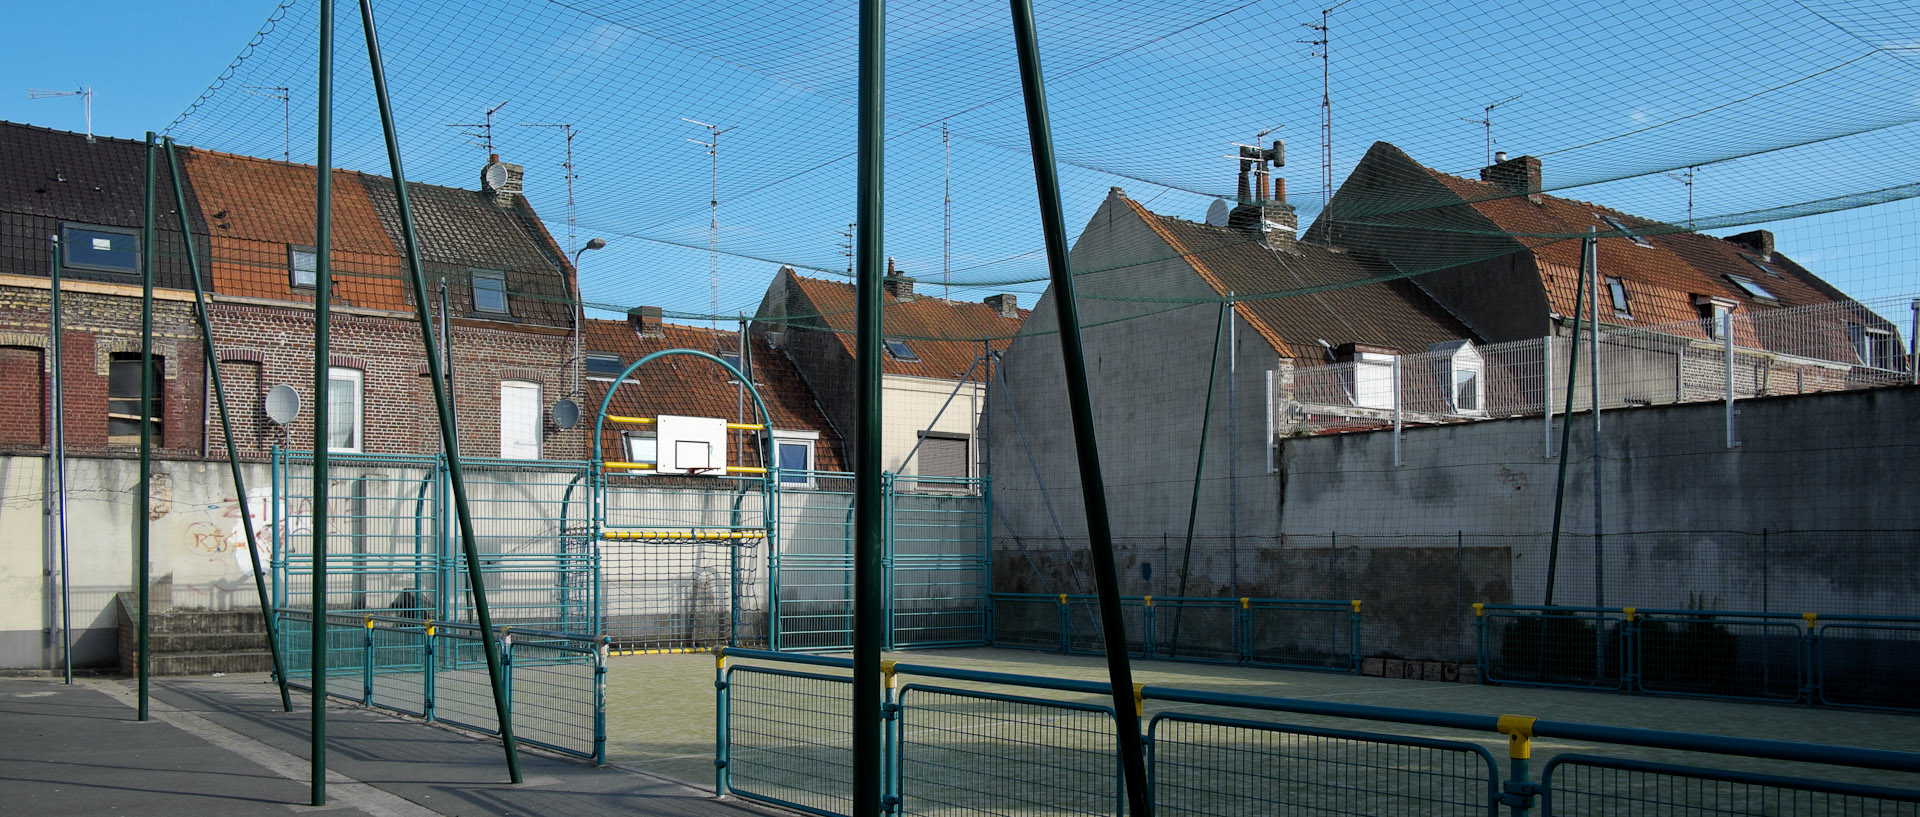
x=647 y=421
x=704 y=535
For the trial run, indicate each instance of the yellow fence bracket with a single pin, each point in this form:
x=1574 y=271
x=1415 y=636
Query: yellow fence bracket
x=1356 y=605
x=1519 y=732
x=1630 y=611
x=1479 y=609
x=1245 y=602
x=1810 y=618
x=1149 y=600
x=892 y=679
x=1139 y=700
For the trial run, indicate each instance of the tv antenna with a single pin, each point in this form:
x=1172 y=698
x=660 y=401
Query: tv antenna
x=485 y=136
x=1486 y=120
x=713 y=211
x=1321 y=46
x=946 y=219
x=84 y=92
x=846 y=246
x=285 y=95
x=1686 y=179
x=566 y=129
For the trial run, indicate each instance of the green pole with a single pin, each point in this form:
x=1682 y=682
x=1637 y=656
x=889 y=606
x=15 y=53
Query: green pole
x=322 y=301
x=869 y=524
x=1566 y=424
x=142 y=508
x=1199 y=465
x=456 y=477
x=1093 y=490
x=226 y=425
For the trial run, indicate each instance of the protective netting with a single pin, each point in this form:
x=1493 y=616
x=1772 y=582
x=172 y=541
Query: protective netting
x=1410 y=266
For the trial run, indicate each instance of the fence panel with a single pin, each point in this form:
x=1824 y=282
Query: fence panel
x=1321 y=635
x=1204 y=765
x=938 y=562
x=1575 y=784
x=1719 y=655
x=559 y=694
x=1028 y=621
x=531 y=523
x=1872 y=664
x=789 y=738
x=1565 y=647
x=971 y=752
x=668 y=569
x=1206 y=630
x=813 y=564
x=1084 y=636
x=384 y=531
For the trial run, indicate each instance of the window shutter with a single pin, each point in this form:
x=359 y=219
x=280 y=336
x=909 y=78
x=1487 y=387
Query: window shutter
x=943 y=457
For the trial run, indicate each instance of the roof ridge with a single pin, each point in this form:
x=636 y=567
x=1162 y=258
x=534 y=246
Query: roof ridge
x=45 y=129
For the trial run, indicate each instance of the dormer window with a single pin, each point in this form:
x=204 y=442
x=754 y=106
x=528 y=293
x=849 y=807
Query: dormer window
x=1622 y=228
x=1372 y=378
x=1753 y=290
x=1713 y=314
x=899 y=350
x=1462 y=373
x=490 y=291
x=1872 y=345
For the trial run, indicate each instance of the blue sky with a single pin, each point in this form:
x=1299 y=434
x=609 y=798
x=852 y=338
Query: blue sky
x=1788 y=103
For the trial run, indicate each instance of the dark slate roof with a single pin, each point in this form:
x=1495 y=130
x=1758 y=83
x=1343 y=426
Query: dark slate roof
x=50 y=176
x=461 y=230
x=699 y=388
x=944 y=334
x=1307 y=292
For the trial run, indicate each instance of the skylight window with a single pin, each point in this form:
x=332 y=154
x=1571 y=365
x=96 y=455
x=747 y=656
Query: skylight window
x=603 y=363
x=899 y=350
x=1619 y=291
x=1622 y=228
x=1753 y=290
x=1764 y=266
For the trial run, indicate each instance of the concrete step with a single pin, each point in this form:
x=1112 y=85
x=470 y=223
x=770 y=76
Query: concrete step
x=168 y=643
x=207 y=663
x=208 y=621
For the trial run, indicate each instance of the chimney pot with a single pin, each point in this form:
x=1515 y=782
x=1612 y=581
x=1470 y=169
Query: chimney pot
x=1758 y=242
x=1499 y=156
x=895 y=284
x=1008 y=305
x=1520 y=176
x=646 y=322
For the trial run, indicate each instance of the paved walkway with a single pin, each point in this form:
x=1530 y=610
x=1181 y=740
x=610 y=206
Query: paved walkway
x=215 y=747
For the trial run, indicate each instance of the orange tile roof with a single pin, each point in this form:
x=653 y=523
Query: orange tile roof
x=944 y=334
x=699 y=388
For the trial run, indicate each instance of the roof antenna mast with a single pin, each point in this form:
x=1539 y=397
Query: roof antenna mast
x=946 y=220
x=1486 y=120
x=485 y=136
x=1321 y=47
x=84 y=92
x=285 y=95
x=566 y=128
x=1686 y=179
x=713 y=210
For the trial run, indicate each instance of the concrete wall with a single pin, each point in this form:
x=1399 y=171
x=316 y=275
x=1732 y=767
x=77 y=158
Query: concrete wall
x=198 y=552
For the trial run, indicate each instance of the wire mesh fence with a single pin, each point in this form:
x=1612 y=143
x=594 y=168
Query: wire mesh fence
x=971 y=752
x=1583 y=784
x=1296 y=634
x=788 y=738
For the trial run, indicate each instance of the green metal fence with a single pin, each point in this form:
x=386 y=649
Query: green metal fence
x=1282 y=633
x=1024 y=745
x=1855 y=661
x=556 y=682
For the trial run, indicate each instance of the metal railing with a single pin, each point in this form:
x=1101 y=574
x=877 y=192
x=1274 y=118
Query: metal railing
x=1855 y=661
x=1015 y=744
x=1286 y=633
x=556 y=682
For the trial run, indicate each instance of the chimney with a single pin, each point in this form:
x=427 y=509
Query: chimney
x=897 y=285
x=503 y=184
x=1242 y=194
x=646 y=322
x=1272 y=221
x=1757 y=242
x=1521 y=176
x=1006 y=304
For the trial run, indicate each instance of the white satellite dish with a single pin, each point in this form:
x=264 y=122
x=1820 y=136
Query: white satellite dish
x=282 y=404
x=493 y=177
x=1218 y=212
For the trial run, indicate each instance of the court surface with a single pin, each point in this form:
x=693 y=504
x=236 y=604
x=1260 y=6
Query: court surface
x=660 y=709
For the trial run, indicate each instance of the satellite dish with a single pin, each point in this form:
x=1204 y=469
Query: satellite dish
x=1217 y=213
x=282 y=404
x=493 y=177
x=566 y=413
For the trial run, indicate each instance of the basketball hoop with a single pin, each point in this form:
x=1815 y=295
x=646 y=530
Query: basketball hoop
x=694 y=472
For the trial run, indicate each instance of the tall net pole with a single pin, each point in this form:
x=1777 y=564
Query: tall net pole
x=869 y=625
x=322 y=300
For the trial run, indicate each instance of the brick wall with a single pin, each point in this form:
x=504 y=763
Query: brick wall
x=23 y=415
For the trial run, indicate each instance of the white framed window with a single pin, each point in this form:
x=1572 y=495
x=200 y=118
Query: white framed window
x=346 y=409
x=303 y=266
x=490 y=291
x=520 y=421
x=641 y=446
x=793 y=455
x=1874 y=346
x=1617 y=289
x=1462 y=376
x=1372 y=380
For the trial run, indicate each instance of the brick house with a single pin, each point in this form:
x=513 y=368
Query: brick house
x=1505 y=258
x=937 y=354
x=507 y=286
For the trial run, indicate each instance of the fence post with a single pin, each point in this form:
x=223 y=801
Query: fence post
x=1397 y=461
x=600 y=700
x=506 y=672
x=1246 y=631
x=1726 y=333
x=1518 y=792
x=720 y=712
x=1146 y=626
x=426 y=687
x=1810 y=679
x=366 y=665
x=1630 y=651
x=1546 y=397
x=1482 y=651
x=1353 y=635
x=889 y=490
x=890 y=783
x=1065 y=622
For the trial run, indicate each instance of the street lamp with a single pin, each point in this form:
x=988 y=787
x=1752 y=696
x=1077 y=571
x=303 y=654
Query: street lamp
x=578 y=316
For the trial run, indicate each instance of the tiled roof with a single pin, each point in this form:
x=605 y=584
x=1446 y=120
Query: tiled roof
x=49 y=176
x=944 y=334
x=1354 y=297
x=699 y=388
x=460 y=230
